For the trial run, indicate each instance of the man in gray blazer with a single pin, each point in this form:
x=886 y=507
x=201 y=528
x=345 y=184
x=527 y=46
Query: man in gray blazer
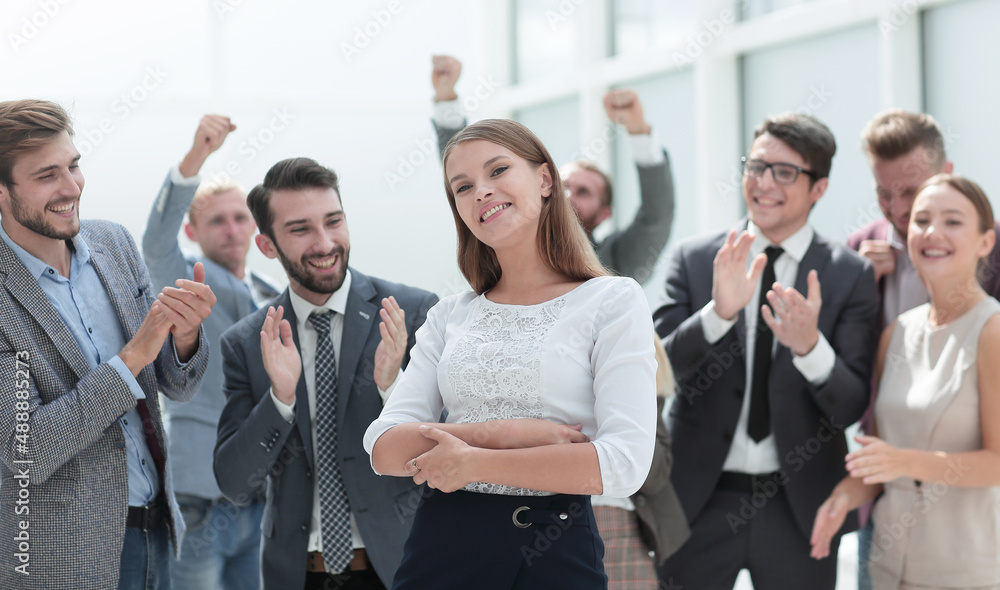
x=221 y=549
x=303 y=380
x=763 y=396
x=631 y=251
x=86 y=499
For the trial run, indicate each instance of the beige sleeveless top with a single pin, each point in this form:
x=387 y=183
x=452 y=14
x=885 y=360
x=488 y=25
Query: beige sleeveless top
x=930 y=534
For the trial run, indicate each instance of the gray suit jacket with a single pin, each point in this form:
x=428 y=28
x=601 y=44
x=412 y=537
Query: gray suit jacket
x=634 y=250
x=193 y=426
x=76 y=499
x=257 y=447
x=711 y=378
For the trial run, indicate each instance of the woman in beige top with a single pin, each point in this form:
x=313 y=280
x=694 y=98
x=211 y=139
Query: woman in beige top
x=936 y=459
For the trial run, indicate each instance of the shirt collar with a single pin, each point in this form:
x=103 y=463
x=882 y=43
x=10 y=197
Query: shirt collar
x=35 y=266
x=336 y=302
x=794 y=245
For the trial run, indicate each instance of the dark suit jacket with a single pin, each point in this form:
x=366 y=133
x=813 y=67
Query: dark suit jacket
x=662 y=524
x=807 y=421
x=257 y=447
x=77 y=495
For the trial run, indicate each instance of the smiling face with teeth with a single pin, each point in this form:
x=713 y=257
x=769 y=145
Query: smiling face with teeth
x=947 y=236
x=779 y=210
x=310 y=239
x=42 y=205
x=498 y=194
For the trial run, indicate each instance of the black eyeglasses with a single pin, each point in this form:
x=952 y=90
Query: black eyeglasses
x=783 y=173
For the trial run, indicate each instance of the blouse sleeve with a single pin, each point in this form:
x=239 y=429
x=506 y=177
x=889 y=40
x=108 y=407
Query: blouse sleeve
x=416 y=397
x=624 y=367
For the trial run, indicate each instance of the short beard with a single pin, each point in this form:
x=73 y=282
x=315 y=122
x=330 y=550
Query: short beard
x=300 y=274
x=37 y=223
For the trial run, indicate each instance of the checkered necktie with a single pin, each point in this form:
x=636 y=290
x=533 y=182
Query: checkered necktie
x=334 y=509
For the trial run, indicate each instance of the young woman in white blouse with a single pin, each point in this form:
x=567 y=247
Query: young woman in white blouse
x=546 y=374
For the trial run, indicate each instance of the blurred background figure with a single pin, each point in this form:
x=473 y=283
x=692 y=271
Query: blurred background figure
x=221 y=549
x=934 y=455
x=631 y=251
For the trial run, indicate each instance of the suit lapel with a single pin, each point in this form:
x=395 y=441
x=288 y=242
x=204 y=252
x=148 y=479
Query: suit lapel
x=123 y=296
x=816 y=257
x=359 y=315
x=24 y=287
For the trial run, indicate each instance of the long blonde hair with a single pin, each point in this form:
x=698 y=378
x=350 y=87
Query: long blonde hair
x=562 y=243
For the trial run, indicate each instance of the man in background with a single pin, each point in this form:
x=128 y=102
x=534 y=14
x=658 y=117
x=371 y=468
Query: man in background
x=222 y=546
x=904 y=149
x=631 y=251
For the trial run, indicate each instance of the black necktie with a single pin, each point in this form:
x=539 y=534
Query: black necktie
x=759 y=424
x=334 y=509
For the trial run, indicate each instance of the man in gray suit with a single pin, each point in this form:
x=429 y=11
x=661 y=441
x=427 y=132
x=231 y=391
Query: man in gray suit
x=763 y=396
x=222 y=546
x=86 y=499
x=303 y=381
x=631 y=251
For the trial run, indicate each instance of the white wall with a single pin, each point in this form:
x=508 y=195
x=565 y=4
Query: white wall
x=364 y=111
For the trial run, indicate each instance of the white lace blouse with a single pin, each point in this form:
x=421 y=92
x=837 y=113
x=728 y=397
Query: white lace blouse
x=585 y=357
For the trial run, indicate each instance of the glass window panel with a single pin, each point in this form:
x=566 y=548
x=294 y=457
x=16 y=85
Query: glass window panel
x=834 y=78
x=557 y=124
x=962 y=56
x=761 y=7
x=546 y=34
x=642 y=25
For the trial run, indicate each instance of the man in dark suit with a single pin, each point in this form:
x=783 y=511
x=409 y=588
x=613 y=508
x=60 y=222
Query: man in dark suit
x=763 y=396
x=86 y=499
x=221 y=550
x=295 y=422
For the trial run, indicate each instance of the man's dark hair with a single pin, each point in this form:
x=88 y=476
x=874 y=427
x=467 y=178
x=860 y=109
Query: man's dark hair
x=290 y=174
x=806 y=136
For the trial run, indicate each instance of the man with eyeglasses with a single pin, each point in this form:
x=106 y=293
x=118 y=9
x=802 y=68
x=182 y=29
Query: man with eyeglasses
x=770 y=331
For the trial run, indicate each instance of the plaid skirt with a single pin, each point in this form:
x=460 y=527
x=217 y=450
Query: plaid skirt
x=627 y=560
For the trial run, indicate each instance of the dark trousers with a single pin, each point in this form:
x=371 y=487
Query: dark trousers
x=361 y=580
x=466 y=540
x=757 y=532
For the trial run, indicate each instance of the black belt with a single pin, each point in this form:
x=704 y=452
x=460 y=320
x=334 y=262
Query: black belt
x=750 y=483
x=147 y=517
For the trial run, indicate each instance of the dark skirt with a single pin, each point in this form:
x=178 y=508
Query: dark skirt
x=466 y=540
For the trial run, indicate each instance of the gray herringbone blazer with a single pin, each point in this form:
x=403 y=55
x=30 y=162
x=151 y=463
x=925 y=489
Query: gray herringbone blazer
x=75 y=502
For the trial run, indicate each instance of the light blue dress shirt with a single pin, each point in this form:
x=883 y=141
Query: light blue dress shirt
x=85 y=308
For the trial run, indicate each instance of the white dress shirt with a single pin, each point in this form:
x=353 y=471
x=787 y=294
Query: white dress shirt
x=745 y=455
x=582 y=358
x=307 y=350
